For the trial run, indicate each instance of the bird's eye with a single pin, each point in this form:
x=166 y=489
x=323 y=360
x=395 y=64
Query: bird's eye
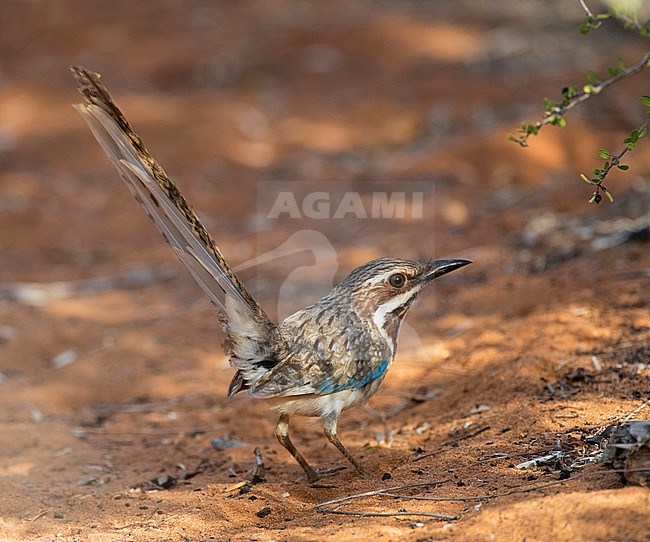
x=397 y=280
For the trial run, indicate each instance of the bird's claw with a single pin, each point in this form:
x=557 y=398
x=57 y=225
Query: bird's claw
x=367 y=474
x=317 y=475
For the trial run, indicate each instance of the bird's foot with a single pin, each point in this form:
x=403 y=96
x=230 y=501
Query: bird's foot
x=367 y=474
x=314 y=478
x=328 y=473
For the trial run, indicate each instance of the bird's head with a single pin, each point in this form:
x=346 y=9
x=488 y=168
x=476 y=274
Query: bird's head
x=384 y=289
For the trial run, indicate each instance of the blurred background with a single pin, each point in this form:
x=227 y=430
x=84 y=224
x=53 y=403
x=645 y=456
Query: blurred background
x=228 y=96
x=242 y=100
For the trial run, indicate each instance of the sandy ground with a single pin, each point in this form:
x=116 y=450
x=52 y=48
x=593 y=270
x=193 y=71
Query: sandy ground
x=543 y=342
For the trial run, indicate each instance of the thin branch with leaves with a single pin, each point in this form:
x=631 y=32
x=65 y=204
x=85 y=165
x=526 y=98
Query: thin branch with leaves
x=554 y=112
x=612 y=161
x=571 y=96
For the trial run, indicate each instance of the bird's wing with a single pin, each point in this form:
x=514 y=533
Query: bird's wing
x=325 y=362
x=252 y=335
x=314 y=378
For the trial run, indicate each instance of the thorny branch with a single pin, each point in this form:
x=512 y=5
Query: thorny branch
x=612 y=162
x=586 y=8
x=555 y=114
x=591 y=18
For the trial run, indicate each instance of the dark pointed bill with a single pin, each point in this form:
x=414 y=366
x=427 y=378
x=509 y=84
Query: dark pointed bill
x=438 y=268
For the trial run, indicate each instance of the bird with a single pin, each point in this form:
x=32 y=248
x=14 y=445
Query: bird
x=319 y=361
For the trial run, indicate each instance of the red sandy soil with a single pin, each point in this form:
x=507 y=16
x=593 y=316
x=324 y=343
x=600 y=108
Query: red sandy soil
x=539 y=345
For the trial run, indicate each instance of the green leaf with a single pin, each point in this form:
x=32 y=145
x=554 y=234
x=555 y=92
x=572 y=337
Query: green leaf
x=584 y=29
x=549 y=104
x=645 y=100
x=596 y=171
x=623 y=167
x=604 y=154
x=591 y=77
x=593 y=198
x=569 y=92
x=613 y=71
x=558 y=120
x=609 y=196
x=521 y=140
x=531 y=129
x=585 y=178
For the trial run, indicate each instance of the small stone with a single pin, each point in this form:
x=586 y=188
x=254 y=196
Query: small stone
x=263 y=512
x=64 y=359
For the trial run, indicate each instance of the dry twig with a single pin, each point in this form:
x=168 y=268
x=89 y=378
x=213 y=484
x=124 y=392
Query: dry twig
x=39 y=515
x=634 y=412
x=389 y=492
x=258 y=471
x=470 y=434
x=323 y=506
x=477 y=497
x=449 y=517
x=453 y=440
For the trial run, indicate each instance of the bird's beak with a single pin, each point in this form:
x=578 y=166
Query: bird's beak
x=438 y=268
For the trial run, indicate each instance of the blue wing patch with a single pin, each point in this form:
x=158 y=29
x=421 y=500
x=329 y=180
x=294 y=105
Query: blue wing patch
x=354 y=382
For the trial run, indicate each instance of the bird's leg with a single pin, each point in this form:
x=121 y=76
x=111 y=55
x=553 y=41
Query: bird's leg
x=282 y=433
x=331 y=423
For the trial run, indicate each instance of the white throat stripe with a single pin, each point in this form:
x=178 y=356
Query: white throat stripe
x=379 y=318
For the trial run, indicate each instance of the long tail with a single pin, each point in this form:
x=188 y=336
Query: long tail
x=252 y=336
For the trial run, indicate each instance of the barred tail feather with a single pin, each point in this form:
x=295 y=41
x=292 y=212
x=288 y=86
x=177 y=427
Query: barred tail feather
x=253 y=338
